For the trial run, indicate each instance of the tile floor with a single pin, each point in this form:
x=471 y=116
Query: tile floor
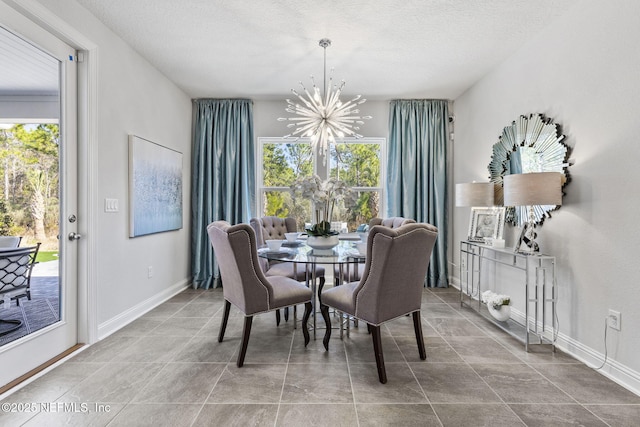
x=167 y=369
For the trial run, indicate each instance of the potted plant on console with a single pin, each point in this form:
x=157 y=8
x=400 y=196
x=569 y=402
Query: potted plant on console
x=498 y=305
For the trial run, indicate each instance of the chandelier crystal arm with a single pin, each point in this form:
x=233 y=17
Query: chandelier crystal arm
x=322 y=116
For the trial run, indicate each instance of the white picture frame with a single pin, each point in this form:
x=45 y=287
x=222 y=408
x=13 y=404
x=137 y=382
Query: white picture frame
x=155 y=188
x=486 y=223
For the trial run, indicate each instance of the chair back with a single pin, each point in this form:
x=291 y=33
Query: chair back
x=243 y=283
x=15 y=268
x=8 y=242
x=271 y=227
x=391 y=222
x=394 y=273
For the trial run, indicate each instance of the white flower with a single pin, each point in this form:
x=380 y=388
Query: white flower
x=324 y=194
x=496 y=300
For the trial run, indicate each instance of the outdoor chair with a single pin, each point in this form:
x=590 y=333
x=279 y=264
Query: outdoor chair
x=15 y=280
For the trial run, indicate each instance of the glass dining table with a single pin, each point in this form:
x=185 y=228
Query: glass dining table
x=345 y=256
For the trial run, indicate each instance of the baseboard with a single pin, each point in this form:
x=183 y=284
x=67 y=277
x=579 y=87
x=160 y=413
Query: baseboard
x=123 y=319
x=615 y=371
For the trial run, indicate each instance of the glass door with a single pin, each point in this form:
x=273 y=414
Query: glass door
x=38 y=136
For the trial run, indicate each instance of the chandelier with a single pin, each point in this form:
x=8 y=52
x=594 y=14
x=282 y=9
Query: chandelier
x=323 y=118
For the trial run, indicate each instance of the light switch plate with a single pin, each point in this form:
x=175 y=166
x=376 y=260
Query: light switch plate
x=111 y=205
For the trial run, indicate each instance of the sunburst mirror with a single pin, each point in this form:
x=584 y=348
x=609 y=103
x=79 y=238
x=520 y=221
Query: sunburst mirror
x=529 y=144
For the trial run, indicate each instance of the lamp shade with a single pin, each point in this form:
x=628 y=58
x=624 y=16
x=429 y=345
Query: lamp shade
x=527 y=189
x=475 y=194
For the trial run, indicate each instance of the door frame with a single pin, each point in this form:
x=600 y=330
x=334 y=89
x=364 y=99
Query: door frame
x=87 y=135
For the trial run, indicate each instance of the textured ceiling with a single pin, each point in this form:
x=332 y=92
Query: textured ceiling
x=384 y=49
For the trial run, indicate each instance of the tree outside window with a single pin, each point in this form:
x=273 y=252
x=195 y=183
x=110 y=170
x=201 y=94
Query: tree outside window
x=357 y=162
x=29 y=167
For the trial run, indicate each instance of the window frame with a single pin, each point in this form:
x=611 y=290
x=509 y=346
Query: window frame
x=322 y=170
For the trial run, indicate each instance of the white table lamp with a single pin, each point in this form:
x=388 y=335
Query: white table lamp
x=530 y=189
x=475 y=194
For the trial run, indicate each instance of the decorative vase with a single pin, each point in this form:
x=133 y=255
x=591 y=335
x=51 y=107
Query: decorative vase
x=501 y=314
x=322 y=245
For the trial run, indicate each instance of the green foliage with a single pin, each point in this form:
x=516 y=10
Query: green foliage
x=277 y=204
x=284 y=163
x=6 y=222
x=29 y=165
x=44 y=256
x=321 y=229
x=357 y=164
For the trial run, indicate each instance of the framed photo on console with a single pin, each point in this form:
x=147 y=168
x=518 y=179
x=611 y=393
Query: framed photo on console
x=486 y=223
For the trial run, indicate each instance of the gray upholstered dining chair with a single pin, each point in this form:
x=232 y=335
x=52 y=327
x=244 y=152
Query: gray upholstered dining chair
x=391 y=284
x=355 y=273
x=273 y=227
x=244 y=284
x=391 y=222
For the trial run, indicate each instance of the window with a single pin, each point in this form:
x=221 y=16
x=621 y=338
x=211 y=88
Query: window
x=358 y=162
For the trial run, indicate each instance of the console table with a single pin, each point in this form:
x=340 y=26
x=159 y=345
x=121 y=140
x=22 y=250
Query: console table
x=538 y=286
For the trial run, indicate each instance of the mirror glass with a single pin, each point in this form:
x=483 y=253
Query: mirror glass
x=529 y=144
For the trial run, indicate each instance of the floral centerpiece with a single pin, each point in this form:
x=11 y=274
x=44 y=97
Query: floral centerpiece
x=323 y=196
x=498 y=305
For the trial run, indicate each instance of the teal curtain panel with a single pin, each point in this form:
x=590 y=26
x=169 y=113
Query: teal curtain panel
x=417 y=172
x=222 y=181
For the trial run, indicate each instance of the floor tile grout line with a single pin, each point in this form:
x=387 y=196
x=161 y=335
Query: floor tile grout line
x=353 y=392
x=524 y=362
x=210 y=392
x=474 y=371
x=284 y=379
x=110 y=422
x=172 y=358
x=424 y=393
x=558 y=385
x=479 y=376
x=535 y=363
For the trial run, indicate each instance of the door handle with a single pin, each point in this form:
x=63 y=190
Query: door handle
x=74 y=236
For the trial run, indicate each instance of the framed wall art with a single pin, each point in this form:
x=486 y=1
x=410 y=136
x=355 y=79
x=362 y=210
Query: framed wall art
x=486 y=223
x=155 y=188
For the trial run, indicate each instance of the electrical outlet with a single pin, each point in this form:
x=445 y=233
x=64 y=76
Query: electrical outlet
x=150 y=272
x=613 y=320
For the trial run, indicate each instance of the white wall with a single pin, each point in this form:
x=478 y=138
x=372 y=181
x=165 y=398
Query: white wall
x=132 y=98
x=582 y=72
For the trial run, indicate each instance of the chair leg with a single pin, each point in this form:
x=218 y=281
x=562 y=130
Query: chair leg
x=286 y=314
x=305 y=320
x=417 y=326
x=225 y=318
x=322 y=280
x=324 y=309
x=278 y=317
x=377 y=349
x=246 y=331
